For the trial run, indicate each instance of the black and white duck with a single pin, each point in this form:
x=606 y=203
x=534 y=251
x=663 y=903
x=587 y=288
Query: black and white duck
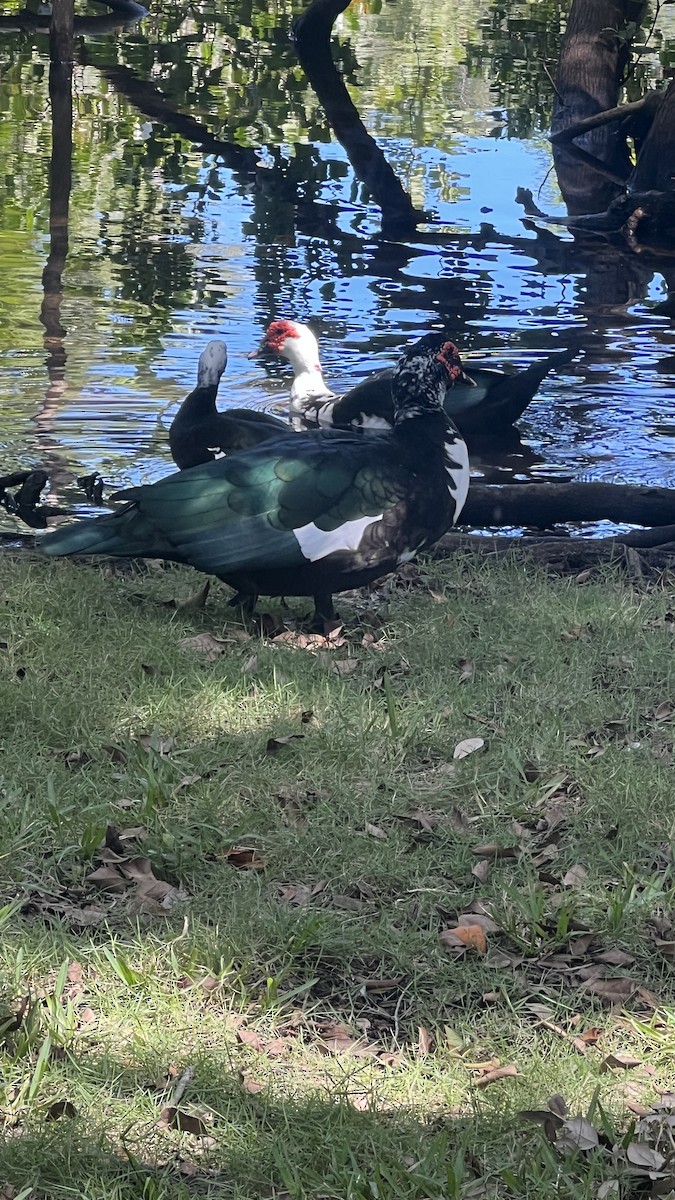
x=199 y=432
x=305 y=515
x=484 y=404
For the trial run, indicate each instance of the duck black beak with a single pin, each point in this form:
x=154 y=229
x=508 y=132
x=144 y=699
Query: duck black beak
x=261 y=349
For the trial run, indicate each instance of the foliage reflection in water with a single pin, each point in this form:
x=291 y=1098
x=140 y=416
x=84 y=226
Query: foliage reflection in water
x=174 y=242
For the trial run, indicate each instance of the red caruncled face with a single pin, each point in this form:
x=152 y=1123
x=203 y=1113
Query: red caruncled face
x=449 y=356
x=277 y=333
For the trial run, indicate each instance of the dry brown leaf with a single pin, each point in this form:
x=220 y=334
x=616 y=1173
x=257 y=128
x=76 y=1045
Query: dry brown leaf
x=471 y=937
x=249 y=1037
x=338 y=1039
x=375 y=831
x=575 y=876
x=250 y=665
x=577 y=1133
x=244 y=858
x=161 y=745
x=425 y=1041
x=299 y=893
x=196 y=601
x=612 y=991
x=510 y=1071
x=580 y=946
x=476 y=915
x=175 y=1118
x=589 y=1036
x=185 y=782
x=465 y=666
x=250 y=1085
x=275 y=744
x=609 y=1190
x=76 y=758
x=459 y=821
x=664 y=711
x=500 y=962
x=667 y=949
x=428 y=820
x=344 y=666
x=614 y=958
x=557 y=1105
x=384 y=985
x=61 y=1108
x=543 y=1116
x=348 y=903
x=481 y=870
x=108 y=878
x=491 y=850
x=116 y=753
x=642 y=1155
x=468 y=746
x=619 y=1061
x=204 y=643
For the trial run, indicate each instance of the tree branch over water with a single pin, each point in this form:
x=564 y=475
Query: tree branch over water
x=311 y=33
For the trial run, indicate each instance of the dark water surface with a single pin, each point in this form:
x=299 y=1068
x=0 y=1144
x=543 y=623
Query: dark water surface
x=171 y=245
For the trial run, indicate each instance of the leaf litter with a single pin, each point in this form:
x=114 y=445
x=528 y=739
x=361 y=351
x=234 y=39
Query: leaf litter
x=125 y=873
x=646 y=1153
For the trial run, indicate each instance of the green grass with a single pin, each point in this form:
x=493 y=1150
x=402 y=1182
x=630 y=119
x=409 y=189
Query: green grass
x=235 y=981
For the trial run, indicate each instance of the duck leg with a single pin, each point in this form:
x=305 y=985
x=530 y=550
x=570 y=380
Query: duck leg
x=246 y=601
x=324 y=610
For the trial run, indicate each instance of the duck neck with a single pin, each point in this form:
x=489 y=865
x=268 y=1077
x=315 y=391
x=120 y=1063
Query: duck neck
x=418 y=409
x=308 y=381
x=201 y=401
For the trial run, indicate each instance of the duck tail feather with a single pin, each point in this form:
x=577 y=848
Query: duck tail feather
x=126 y=534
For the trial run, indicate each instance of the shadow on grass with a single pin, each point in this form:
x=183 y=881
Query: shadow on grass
x=267 y=1146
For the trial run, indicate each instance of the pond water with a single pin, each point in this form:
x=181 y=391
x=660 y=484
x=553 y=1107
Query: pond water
x=171 y=244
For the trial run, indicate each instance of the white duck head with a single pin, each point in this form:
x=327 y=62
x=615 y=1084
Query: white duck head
x=297 y=344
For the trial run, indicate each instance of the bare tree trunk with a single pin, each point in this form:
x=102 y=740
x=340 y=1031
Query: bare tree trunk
x=594 y=54
x=60 y=182
x=655 y=168
x=312 y=39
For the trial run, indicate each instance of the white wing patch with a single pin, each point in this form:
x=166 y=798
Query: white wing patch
x=317 y=543
x=371 y=422
x=459 y=473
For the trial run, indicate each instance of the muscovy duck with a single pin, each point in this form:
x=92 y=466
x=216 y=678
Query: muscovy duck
x=198 y=432
x=484 y=404
x=305 y=515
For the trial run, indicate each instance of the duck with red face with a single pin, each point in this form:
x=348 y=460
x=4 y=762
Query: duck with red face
x=309 y=514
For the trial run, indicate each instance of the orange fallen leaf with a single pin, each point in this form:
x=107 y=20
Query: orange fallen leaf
x=471 y=936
